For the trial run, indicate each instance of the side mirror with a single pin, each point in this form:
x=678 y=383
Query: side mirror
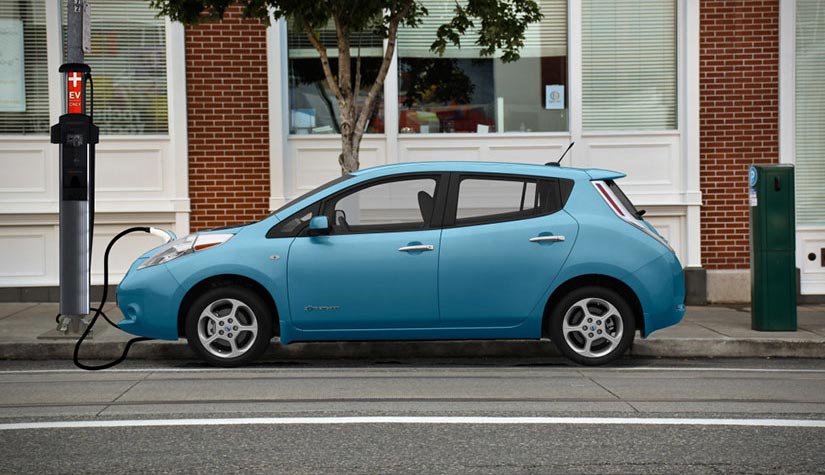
x=319 y=226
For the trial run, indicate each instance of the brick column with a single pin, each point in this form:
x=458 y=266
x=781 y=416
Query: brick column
x=226 y=88
x=739 y=118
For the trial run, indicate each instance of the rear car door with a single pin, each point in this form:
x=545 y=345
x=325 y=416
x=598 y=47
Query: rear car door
x=505 y=239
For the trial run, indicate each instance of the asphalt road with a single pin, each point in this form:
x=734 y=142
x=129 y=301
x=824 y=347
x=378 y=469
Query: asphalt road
x=643 y=416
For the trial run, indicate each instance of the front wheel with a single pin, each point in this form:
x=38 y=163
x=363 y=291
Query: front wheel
x=228 y=326
x=592 y=325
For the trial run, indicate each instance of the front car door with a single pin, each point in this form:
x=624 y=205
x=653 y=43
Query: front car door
x=378 y=268
x=505 y=239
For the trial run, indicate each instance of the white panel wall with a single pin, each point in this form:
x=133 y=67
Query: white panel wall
x=136 y=185
x=314 y=160
x=811 y=240
x=652 y=164
x=520 y=148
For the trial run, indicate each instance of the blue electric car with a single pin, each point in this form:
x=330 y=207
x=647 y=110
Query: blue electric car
x=419 y=251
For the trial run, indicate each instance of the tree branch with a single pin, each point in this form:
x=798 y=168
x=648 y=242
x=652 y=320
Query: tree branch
x=392 y=38
x=344 y=67
x=322 y=51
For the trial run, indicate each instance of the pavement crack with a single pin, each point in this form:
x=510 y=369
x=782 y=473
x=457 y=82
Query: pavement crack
x=116 y=400
x=613 y=394
x=711 y=330
x=19 y=311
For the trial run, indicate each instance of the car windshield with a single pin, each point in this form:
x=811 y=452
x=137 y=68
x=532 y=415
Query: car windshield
x=313 y=191
x=624 y=199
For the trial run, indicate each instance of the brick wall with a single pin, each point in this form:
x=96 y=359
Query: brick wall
x=738 y=118
x=228 y=124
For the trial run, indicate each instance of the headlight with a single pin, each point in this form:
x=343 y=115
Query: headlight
x=183 y=246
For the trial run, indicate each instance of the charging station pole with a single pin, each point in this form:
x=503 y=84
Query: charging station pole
x=74 y=134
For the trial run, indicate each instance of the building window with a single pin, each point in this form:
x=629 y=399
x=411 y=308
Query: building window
x=465 y=92
x=313 y=108
x=24 y=88
x=629 y=65
x=810 y=112
x=128 y=62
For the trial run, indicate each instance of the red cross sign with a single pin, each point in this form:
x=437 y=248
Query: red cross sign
x=75 y=93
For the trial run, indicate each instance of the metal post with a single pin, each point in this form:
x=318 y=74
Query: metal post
x=74 y=210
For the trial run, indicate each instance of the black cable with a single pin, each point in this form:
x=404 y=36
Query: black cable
x=99 y=310
x=88 y=77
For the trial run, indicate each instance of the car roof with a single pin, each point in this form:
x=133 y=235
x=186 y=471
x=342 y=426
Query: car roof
x=489 y=167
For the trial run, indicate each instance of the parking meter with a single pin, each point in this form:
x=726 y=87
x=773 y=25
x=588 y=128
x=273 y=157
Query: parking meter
x=773 y=248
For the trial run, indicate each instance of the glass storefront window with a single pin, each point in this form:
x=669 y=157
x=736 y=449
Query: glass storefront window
x=313 y=108
x=128 y=61
x=24 y=88
x=810 y=112
x=462 y=91
x=629 y=65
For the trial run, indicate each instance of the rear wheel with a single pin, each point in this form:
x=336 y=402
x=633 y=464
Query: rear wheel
x=228 y=326
x=592 y=325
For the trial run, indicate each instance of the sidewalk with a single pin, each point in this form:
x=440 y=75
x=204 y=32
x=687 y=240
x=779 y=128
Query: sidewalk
x=711 y=331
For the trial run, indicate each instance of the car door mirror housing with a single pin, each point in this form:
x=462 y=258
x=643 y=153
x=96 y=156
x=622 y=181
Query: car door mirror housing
x=319 y=226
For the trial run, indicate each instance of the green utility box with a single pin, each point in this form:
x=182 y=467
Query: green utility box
x=773 y=248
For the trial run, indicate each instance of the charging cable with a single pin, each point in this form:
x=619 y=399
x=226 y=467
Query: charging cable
x=99 y=310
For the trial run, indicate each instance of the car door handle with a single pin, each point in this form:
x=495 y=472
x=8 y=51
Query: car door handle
x=419 y=247
x=546 y=238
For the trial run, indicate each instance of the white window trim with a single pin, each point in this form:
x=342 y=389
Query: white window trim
x=787 y=81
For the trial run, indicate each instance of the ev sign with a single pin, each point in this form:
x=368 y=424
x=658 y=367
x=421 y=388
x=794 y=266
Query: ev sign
x=75 y=93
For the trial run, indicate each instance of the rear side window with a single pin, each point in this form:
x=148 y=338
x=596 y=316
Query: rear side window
x=486 y=199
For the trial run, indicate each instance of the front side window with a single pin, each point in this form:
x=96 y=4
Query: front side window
x=491 y=199
x=629 y=65
x=128 y=62
x=24 y=88
x=462 y=91
x=401 y=205
x=313 y=108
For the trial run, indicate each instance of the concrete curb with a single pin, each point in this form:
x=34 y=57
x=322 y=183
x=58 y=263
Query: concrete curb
x=729 y=348
x=388 y=350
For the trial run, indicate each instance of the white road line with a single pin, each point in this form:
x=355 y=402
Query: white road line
x=417 y=369
x=797 y=423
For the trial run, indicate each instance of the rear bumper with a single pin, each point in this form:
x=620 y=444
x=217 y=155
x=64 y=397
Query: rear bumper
x=661 y=291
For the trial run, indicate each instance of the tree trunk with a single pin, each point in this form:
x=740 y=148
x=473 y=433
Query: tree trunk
x=350 y=140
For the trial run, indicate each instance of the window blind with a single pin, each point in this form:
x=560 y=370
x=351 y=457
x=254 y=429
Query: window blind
x=299 y=45
x=24 y=88
x=810 y=112
x=629 y=64
x=128 y=62
x=546 y=38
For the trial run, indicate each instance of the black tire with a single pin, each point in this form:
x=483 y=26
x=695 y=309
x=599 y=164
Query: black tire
x=608 y=324
x=225 y=315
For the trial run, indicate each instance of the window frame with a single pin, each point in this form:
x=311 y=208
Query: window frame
x=451 y=210
x=276 y=231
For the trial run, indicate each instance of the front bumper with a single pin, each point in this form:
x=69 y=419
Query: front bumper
x=149 y=300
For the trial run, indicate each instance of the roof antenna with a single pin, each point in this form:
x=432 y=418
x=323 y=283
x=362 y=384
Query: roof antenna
x=558 y=163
